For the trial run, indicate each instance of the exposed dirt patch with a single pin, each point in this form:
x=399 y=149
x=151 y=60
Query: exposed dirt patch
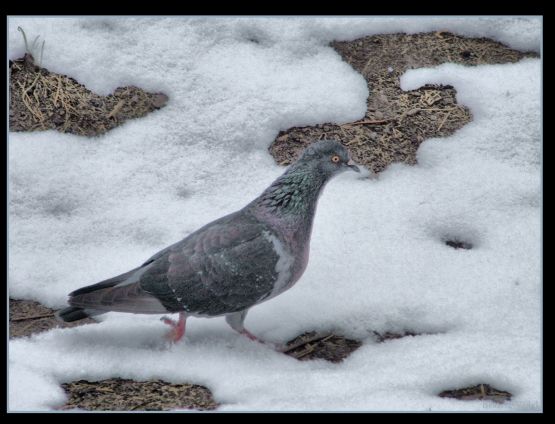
x=388 y=335
x=458 y=244
x=397 y=121
x=331 y=347
x=28 y=317
x=42 y=100
x=117 y=394
x=478 y=392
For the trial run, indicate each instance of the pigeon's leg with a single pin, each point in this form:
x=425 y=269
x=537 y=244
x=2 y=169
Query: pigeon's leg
x=178 y=327
x=236 y=321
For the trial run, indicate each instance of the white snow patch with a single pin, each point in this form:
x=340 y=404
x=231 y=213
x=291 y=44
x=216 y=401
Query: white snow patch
x=82 y=210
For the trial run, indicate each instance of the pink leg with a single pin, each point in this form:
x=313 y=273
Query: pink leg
x=276 y=346
x=251 y=336
x=178 y=328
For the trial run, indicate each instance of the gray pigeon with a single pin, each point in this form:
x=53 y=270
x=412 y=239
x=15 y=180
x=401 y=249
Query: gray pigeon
x=230 y=264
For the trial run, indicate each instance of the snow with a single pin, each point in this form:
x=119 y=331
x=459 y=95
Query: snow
x=82 y=210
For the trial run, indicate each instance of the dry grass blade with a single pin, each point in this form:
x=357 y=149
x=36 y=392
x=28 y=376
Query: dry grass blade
x=32 y=317
x=383 y=121
x=116 y=109
x=303 y=342
x=443 y=121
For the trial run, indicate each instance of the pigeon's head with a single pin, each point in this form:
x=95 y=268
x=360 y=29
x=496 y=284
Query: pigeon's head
x=329 y=157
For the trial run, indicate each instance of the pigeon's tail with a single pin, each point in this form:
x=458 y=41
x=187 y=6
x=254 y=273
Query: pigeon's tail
x=119 y=294
x=73 y=313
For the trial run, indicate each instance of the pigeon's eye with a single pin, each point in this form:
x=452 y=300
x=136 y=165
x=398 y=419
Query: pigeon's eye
x=335 y=159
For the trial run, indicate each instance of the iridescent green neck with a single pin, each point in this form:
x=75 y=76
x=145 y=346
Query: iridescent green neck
x=296 y=192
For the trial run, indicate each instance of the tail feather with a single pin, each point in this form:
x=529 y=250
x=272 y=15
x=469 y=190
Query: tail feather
x=123 y=298
x=122 y=293
x=73 y=313
x=111 y=282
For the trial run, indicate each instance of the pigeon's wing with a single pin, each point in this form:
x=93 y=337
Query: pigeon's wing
x=226 y=266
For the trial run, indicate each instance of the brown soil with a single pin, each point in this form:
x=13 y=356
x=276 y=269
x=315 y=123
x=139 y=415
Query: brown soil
x=311 y=345
x=478 y=392
x=28 y=317
x=389 y=335
x=42 y=100
x=117 y=394
x=457 y=244
x=397 y=121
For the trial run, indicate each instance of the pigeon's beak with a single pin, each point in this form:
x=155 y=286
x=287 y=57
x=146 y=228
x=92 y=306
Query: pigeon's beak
x=351 y=164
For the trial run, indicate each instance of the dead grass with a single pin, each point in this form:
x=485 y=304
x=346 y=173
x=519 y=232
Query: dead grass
x=478 y=392
x=42 y=100
x=328 y=346
x=28 y=317
x=397 y=121
x=117 y=394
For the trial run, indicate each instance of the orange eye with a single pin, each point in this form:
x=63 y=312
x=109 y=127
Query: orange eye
x=335 y=159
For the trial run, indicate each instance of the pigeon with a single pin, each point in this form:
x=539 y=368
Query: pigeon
x=231 y=264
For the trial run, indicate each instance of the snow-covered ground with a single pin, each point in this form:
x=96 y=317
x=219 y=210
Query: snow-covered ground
x=82 y=210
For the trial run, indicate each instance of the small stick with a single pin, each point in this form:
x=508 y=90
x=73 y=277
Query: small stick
x=309 y=349
x=32 y=317
x=440 y=109
x=326 y=338
x=384 y=121
x=116 y=109
x=304 y=342
x=146 y=402
x=58 y=90
x=24 y=97
x=31 y=86
x=444 y=119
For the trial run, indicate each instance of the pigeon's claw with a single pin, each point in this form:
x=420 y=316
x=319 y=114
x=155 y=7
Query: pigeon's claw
x=251 y=336
x=168 y=320
x=177 y=327
x=278 y=347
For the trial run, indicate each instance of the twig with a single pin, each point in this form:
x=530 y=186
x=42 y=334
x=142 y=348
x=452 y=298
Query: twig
x=397 y=133
x=326 y=338
x=32 y=85
x=58 y=90
x=444 y=119
x=300 y=343
x=383 y=121
x=309 y=349
x=440 y=109
x=116 y=109
x=32 y=317
x=24 y=97
x=146 y=402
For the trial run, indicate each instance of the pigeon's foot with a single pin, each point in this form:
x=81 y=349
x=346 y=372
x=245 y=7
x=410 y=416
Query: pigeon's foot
x=178 y=327
x=276 y=346
x=251 y=336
